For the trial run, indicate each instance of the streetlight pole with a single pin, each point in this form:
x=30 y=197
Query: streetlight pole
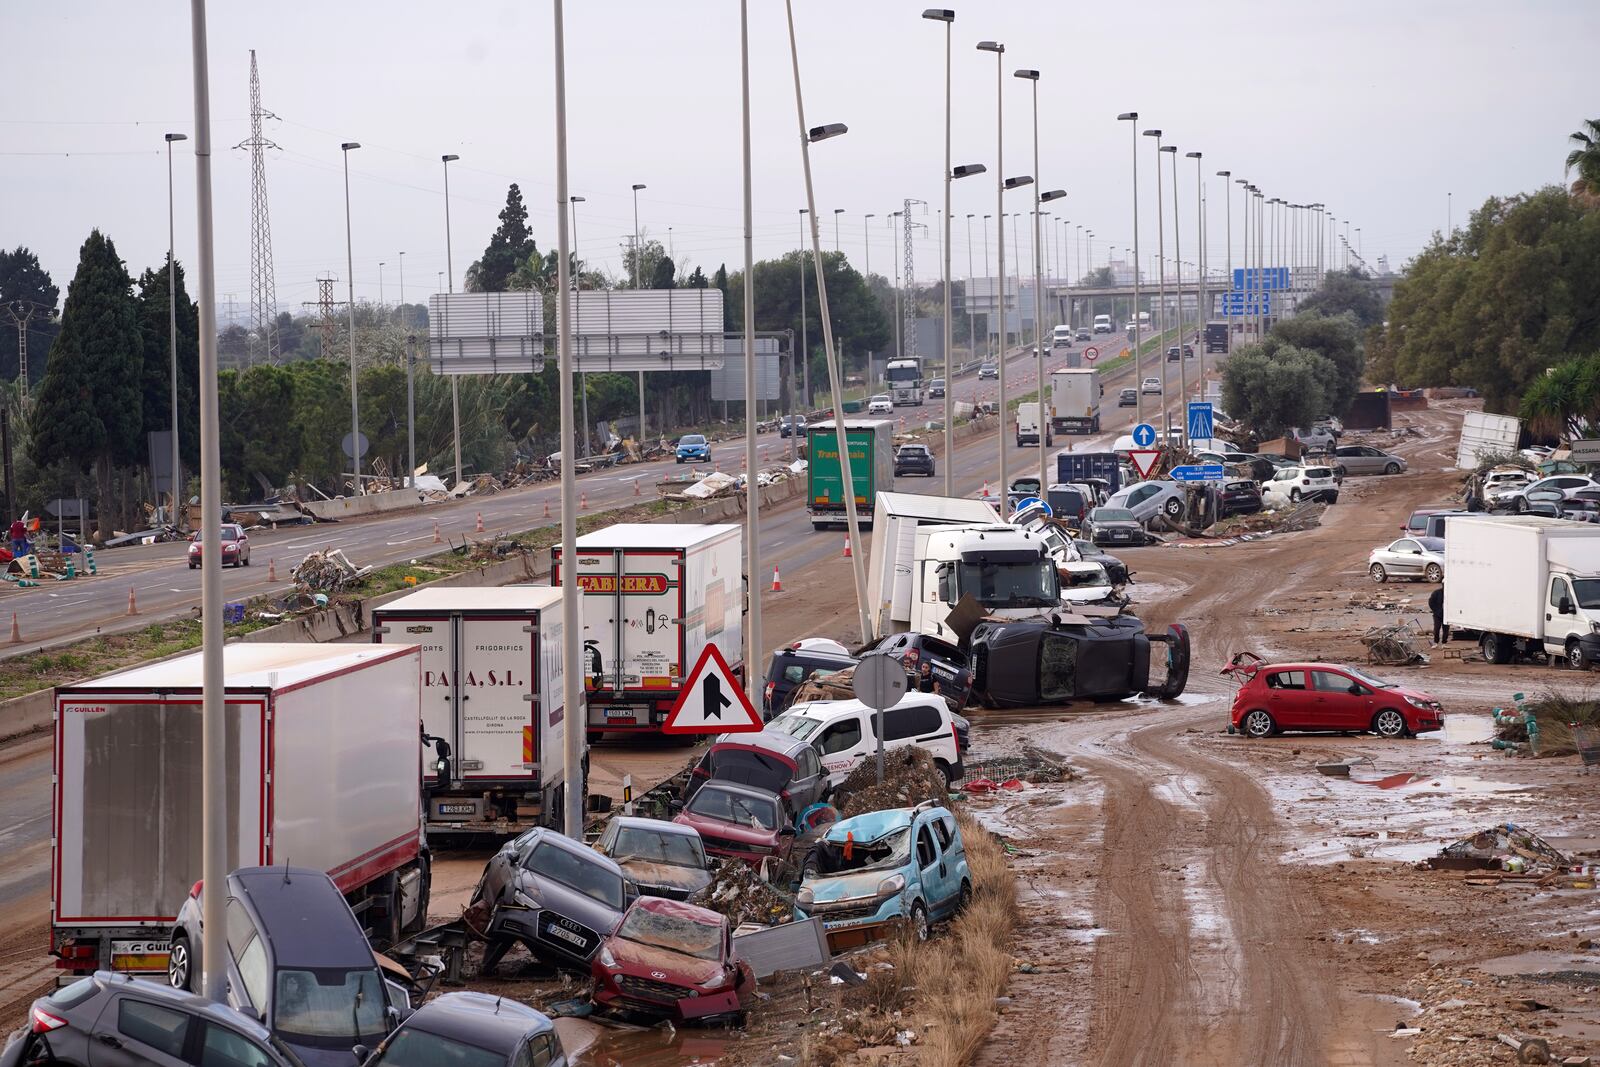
x=999 y=51
x=753 y=646
x=1161 y=271
x=1202 y=313
x=450 y=279
x=972 y=327
x=988 y=353
x=1177 y=261
x=1043 y=406
x=411 y=385
x=638 y=272
x=172 y=338
x=866 y=244
x=381 y=265
x=805 y=347
x=577 y=282
x=895 y=258
x=1227 y=233
x=1132 y=118
x=836 y=213
x=350 y=282
x=948 y=17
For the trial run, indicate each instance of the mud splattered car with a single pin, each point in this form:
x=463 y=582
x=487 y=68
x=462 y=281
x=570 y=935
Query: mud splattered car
x=674 y=959
x=1020 y=663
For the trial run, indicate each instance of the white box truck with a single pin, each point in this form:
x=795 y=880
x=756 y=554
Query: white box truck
x=322 y=769
x=1028 y=426
x=493 y=707
x=896 y=519
x=654 y=595
x=1075 y=400
x=1527 y=586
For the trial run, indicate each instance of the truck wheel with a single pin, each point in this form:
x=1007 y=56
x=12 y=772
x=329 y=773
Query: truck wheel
x=1575 y=658
x=1434 y=573
x=1495 y=648
x=1379 y=575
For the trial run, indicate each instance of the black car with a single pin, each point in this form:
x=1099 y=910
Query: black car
x=466 y=1029
x=1172 y=354
x=913 y=459
x=1113 y=526
x=936 y=388
x=788 y=426
x=1116 y=570
x=1022 y=663
x=1083 y=334
x=1240 y=498
x=791 y=666
x=556 y=896
x=1128 y=398
x=936 y=666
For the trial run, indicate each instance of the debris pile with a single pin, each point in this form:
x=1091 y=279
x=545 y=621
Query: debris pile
x=1034 y=766
x=1304 y=516
x=738 y=891
x=328 y=571
x=833 y=686
x=909 y=777
x=1376 y=601
x=1392 y=646
x=1555 y=724
x=1506 y=847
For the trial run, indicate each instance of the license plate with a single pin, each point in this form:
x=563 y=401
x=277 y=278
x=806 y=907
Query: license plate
x=629 y=714
x=140 y=955
x=566 y=935
x=458 y=809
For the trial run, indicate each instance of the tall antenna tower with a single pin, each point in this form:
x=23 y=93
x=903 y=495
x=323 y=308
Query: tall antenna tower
x=909 y=229
x=263 y=285
x=324 y=305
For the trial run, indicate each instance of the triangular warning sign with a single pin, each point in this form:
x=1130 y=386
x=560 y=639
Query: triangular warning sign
x=712 y=702
x=1144 y=460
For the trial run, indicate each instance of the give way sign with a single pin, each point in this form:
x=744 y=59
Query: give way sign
x=1144 y=460
x=712 y=702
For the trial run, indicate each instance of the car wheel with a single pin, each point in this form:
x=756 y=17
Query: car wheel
x=247 y=561
x=964 y=901
x=1340 y=470
x=1173 y=507
x=1389 y=723
x=678 y=460
x=1575 y=658
x=1392 y=468
x=1379 y=575
x=919 y=921
x=1258 y=724
x=1434 y=573
x=1294 y=496
x=1522 y=506
x=944 y=769
x=180 y=964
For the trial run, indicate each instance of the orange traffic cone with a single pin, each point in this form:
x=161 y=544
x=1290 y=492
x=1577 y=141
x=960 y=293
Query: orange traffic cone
x=133 y=605
x=547 y=507
x=436 y=538
x=583 y=501
x=16 y=630
x=479 y=527
x=777 y=587
x=847 y=553
x=272 y=570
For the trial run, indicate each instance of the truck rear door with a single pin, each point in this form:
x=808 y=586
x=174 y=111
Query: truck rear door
x=434 y=635
x=651 y=599
x=499 y=702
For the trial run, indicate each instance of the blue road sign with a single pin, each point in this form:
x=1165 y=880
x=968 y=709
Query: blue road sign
x=1198 y=472
x=1251 y=303
x=1200 y=422
x=1144 y=435
x=1032 y=502
x=1258 y=278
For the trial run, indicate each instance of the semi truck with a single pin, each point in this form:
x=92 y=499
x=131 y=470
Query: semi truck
x=1216 y=337
x=871 y=445
x=322 y=771
x=493 y=706
x=957 y=574
x=904 y=377
x=1528 y=587
x=1075 y=400
x=896 y=519
x=654 y=596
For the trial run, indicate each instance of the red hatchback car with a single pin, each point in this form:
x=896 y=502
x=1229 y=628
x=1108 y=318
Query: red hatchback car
x=1326 y=696
x=672 y=958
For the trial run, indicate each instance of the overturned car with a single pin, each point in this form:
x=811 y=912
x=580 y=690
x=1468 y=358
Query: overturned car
x=1054 y=659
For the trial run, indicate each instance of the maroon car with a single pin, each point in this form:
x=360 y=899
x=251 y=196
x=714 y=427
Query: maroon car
x=740 y=822
x=235 y=547
x=1325 y=696
x=672 y=958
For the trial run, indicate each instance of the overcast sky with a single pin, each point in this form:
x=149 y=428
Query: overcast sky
x=1377 y=109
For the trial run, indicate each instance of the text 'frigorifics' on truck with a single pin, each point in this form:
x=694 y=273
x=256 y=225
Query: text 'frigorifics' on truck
x=904 y=377
x=654 y=596
x=871 y=445
x=493 y=710
x=323 y=765
x=1075 y=400
x=1525 y=587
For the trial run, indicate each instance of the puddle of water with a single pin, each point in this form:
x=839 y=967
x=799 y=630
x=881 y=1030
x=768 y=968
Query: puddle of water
x=1465 y=784
x=661 y=1046
x=1541 y=962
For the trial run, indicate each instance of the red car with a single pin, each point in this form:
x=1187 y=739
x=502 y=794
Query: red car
x=235 y=547
x=740 y=822
x=1325 y=696
x=672 y=958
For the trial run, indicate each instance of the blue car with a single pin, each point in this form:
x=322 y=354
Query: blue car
x=872 y=872
x=694 y=446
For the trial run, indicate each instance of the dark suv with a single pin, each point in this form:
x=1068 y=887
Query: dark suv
x=789 y=667
x=937 y=666
x=913 y=459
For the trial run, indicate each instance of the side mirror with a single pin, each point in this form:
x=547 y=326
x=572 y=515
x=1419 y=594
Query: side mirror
x=787 y=831
x=1565 y=607
x=1355 y=690
x=360 y=1053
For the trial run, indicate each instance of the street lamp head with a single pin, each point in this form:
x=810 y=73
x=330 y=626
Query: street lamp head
x=1054 y=194
x=838 y=211
x=578 y=199
x=177 y=137
x=1191 y=155
x=967 y=170
x=988 y=216
x=1169 y=148
x=346 y=146
x=1019 y=181
x=822 y=133
x=991 y=46
x=1152 y=133
x=869 y=215
x=448 y=159
x=636 y=188
x=1027 y=75
x=1128 y=116
x=1224 y=173
x=805 y=211
x=939 y=14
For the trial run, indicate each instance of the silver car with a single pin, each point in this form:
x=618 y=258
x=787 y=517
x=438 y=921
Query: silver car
x=1148 y=499
x=1364 y=459
x=1418 y=558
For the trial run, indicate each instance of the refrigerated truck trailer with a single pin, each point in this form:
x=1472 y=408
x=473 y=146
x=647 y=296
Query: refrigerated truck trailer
x=654 y=595
x=322 y=770
x=492 y=694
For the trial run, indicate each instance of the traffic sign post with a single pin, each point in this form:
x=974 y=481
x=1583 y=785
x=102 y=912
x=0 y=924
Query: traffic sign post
x=1144 y=460
x=1198 y=472
x=1144 y=435
x=879 y=682
x=1091 y=353
x=1201 y=424
x=712 y=702
x=1586 y=451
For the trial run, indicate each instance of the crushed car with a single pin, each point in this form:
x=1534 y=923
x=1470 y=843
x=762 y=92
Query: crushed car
x=1020 y=663
x=557 y=897
x=661 y=859
x=741 y=822
x=668 y=958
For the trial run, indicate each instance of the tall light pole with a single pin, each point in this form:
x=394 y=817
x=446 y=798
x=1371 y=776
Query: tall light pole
x=450 y=279
x=1038 y=285
x=866 y=244
x=805 y=346
x=999 y=51
x=583 y=379
x=350 y=281
x=988 y=353
x=411 y=385
x=1227 y=232
x=836 y=213
x=1177 y=260
x=1132 y=118
x=972 y=327
x=381 y=264
x=172 y=339
x=895 y=259
x=948 y=17
x=1032 y=78
x=808 y=137
x=1201 y=312
x=1161 y=271
x=754 y=649
x=638 y=271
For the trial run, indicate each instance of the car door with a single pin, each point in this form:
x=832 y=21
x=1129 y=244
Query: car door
x=1338 y=703
x=1404 y=557
x=1559 y=625
x=840 y=746
x=809 y=779
x=136 y=1032
x=221 y=1046
x=932 y=870
x=1289 y=699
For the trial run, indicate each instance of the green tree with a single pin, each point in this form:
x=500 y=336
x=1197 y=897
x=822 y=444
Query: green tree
x=511 y=245
x=156 y=373
x=719 y=280
x=1566 y=400
x=319 y=419
x=1337 y=339
x=1099 y=278
x=23 y=279
x=1585 y=158
x=859 y=322
x=1345 y=291
x=89 y=404
x=664 y=276
x=697 y=280
x=1271 y=393
x=267 y=445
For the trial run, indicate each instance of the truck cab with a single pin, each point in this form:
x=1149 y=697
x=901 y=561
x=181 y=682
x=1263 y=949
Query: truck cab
x=904 y=377
x=1006 y=573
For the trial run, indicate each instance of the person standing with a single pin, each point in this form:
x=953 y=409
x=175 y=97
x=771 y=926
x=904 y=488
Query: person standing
x=1436 y=606
x=19 y=539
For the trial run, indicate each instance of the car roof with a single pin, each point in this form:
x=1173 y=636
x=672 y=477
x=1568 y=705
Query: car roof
x=1312 y=666
x=116 y=981
x=825 y=709
x=479 y=1019
x=679 y=909
x=305 y=916
x=874 y=824
x=655 y=826
x=773 y=741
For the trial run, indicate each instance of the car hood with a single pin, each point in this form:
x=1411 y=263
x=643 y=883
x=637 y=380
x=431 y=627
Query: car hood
x=564 y=900
x=648 y=874
x=679 y=967
x=1414 y=694
x=828 y=889
x=727 y=830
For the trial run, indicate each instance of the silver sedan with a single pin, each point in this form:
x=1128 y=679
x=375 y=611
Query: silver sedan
x=1418 y=558
x=1364 y=459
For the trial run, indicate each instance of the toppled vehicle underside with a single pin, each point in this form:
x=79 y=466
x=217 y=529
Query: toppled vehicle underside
x=1056 y=659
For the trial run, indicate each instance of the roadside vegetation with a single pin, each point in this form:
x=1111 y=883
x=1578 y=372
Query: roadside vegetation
x=1305 y=367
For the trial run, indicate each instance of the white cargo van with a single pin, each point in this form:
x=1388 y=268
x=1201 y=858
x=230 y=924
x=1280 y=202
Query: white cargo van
x=844 y=732
x=1061 y=337
x=1029 y=428
x=1102 y=324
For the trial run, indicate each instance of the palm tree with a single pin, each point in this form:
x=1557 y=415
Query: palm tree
x=1585 y=158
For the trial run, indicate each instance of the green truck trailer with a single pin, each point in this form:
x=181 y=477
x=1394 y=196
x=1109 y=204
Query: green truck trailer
x=871 y=444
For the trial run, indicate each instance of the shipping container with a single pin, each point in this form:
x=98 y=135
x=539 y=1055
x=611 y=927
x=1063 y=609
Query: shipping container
x=654 y=595
x=323 y=761
x=492 y=692
x=1075 y=400
x=871 y=444
x=1483 y=435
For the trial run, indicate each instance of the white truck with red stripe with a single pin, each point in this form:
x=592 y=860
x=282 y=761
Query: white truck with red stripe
x=493 y=712
x=322 y=768
x=654 y=595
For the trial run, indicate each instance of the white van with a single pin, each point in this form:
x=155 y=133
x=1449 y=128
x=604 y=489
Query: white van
x=843 y=732
x=1061 y=337
x=1102 y=324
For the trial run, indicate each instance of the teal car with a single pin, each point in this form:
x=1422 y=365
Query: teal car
x=694 y=447
x=870 y=873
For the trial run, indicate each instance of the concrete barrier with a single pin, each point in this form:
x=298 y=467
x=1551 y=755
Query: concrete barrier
x=349 y=507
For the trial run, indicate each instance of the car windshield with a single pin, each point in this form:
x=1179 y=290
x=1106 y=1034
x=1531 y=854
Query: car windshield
x=1009 y=585
x=938 y=383
x=576 y=872
x=1432 y=544
x=795 y=725
x=1587 y=590
x=897 y=373
x=411 y=1047
x=676 y=933
x=692 y=439
x=914 y=450
x=655 y=846
x=1375 y=682
x=1111 y=515
x=846 y=857
x=1087 y=578
x=232 y=533
x=741 y=809
x=333 y=1007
